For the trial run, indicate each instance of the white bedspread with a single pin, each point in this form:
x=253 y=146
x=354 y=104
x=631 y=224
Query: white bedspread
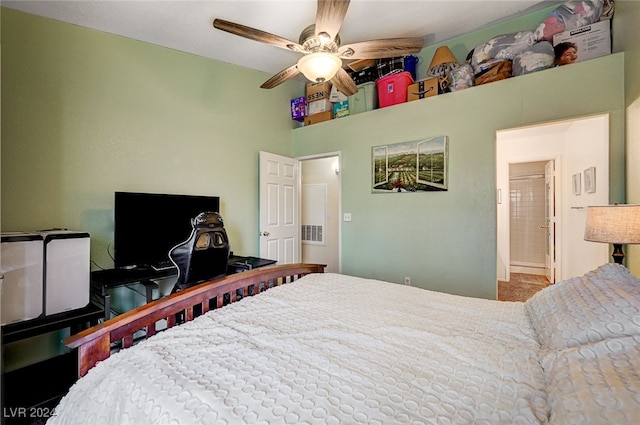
x=327 y=349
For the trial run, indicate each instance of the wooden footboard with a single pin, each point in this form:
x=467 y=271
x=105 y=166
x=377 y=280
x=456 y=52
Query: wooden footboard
x=95 y=344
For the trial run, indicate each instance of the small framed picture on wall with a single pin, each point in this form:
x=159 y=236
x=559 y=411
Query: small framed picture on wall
x=590 y=180
x=577 y=183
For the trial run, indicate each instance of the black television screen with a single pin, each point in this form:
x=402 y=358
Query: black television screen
x=148 y=225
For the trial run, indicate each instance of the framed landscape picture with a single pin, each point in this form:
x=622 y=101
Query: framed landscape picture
x=415 y=166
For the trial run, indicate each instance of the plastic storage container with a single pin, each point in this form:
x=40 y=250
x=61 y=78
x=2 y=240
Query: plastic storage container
x=392 y=89
x=366 y=75
x=366 y=99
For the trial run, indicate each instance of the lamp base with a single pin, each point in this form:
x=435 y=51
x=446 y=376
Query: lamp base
x=617 y=255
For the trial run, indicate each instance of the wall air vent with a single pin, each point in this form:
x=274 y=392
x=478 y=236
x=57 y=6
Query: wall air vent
x=312 y=233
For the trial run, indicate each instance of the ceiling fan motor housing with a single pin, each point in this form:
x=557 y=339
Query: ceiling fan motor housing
x=317 y=43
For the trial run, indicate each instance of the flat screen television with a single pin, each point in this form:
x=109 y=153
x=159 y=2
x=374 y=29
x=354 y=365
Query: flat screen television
x=148 y=225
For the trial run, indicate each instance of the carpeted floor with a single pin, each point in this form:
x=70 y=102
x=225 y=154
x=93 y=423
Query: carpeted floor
x=521 y=287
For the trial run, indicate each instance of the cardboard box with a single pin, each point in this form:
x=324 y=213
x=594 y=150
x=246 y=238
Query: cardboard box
x=341 y=109
x=317 y=106
x=316 y=118
x=359 y=65
x=336 y=95
x=317 y=91
x=422 y=89
x=299 y=108
x=592 y=40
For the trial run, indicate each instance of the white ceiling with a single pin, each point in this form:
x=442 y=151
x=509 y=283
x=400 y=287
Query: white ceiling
x=186 y=25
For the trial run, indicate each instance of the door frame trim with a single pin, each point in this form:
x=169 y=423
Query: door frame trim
x=567 y=206
x=557 y=238
x=337 y=154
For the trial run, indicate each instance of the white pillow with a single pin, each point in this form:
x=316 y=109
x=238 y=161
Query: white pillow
x=595 y=383
x=602 y=304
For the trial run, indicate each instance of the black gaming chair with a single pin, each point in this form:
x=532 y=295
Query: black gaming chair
x=204 y=255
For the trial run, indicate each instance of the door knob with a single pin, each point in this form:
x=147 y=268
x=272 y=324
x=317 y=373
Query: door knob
x=265 y=233
x=542 y=226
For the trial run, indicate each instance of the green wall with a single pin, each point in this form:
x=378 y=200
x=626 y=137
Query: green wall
x=447 y=240
x=86 y=113
x=626 y=39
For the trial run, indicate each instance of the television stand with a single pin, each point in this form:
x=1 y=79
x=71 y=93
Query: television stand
x=103 y=280
x=76 y=320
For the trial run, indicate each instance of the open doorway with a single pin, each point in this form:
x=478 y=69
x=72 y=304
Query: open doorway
x=532 y=230
x=574 y=145
x=320 y=210
x=532 y=219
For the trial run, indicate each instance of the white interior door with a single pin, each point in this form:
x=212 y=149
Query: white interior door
x=550 y=221
x=279 y=208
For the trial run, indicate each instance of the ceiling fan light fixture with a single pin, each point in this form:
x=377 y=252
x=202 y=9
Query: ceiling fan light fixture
x=321 y=46
x=319 y=66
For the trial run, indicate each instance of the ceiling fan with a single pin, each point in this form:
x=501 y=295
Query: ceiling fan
x=320 y=45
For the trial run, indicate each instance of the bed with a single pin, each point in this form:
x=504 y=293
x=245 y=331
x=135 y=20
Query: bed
x=306 y=347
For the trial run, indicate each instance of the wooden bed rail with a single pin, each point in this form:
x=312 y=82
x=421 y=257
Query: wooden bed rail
x=95 y=344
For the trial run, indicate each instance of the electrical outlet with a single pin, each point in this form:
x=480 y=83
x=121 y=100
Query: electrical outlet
x=407 y=280
x=347 y=217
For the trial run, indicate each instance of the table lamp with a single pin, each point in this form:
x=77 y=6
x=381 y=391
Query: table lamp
x=442 y=63
x=616 y=224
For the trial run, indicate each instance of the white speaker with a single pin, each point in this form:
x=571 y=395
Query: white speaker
x=21 y=263
x=66 y=270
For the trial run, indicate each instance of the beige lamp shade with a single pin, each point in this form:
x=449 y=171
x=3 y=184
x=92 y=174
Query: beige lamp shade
x=614 y=224
x=443 y=61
